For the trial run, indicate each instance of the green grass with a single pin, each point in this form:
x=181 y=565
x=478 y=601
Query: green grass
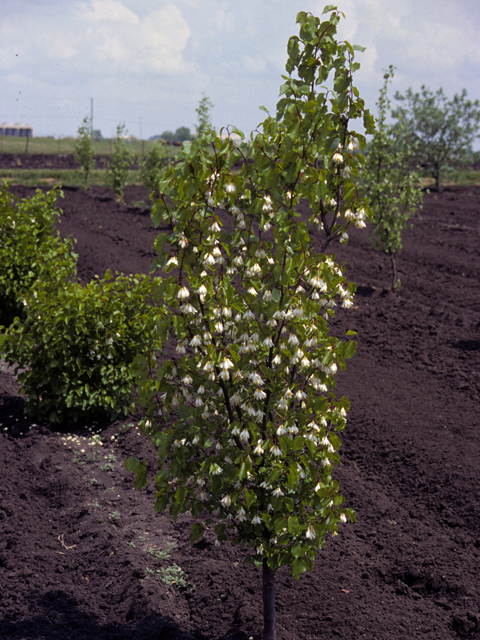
x=58 y=177
x=467 y=176
x=11 y=144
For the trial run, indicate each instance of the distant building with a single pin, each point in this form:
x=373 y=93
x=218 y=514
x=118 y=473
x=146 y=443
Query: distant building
x=18 y=130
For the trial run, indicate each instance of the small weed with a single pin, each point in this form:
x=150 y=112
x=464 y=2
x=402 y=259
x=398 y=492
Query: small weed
x=111 y=489
x=96 y=441
x=132 y=544
x=81 y=458
x=149 y=571
x=162 y=554
x=139 y=204
x=94 y=481
x=107 y=467
x=141 y=538
x=115 y=515
x=95 y=503
x=78 y=458
x=112 y=458
x=174 y=576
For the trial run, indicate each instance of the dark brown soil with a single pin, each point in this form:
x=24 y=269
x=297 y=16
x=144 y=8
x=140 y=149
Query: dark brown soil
x=74 y=551
x=46 y=161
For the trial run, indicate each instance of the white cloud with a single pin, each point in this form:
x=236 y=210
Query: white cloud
x=154 y=58
x=107 y=11
x=100 y=36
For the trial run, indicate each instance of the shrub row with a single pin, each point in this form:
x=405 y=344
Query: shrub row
x=30 y=249
x=72 y=346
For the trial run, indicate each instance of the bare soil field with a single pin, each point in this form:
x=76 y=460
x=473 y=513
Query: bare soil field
x=45 y=161
x=84 y=556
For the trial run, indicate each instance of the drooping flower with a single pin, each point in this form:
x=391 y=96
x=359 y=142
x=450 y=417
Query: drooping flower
x=241 y=515
x=183 y=294
x=215 y=469
x=259 y=394
x=173 y=261
x=187 y=308
x=267 y=203
x=209 y=260
x=310 y=535
x=226 y=364
x=245 y=435
x=258 y=451
x=337 y=158
x=226 y=501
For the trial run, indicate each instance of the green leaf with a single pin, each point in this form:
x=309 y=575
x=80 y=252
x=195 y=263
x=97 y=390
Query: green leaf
x=293 y=525
x=175 y=509
x=140 y=471
x=297 y=444
x=250 y=498
x=298 y=567
x=196 y=532
x=279 y=525
x=180 y=495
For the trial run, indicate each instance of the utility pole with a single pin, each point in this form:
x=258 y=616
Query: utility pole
x=91 y=116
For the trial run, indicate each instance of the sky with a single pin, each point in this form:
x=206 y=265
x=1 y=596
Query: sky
x=147 y=63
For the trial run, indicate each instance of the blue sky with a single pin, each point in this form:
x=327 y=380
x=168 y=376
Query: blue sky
x=146 y=63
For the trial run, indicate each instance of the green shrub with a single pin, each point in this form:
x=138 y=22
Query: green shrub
x=74 y=348
x=30 y=249
x=120 y=162
x=152 y=166
x=84 y=152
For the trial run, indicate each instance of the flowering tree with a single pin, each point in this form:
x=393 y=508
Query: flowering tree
x=392 y=187
x=244 y=417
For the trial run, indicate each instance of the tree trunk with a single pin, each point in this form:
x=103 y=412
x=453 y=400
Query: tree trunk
x=438 y=184
x=269 y=622
x=394 y=271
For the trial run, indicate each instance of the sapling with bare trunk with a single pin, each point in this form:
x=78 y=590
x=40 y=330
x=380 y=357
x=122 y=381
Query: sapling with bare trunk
x=120 y=162
x=244 y=416
x=389 y=181
x=84 y=152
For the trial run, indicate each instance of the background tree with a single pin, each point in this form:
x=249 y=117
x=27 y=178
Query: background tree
x=204 y=123
x=84 y=152
x=120 y=162
x=393 y=188
x=182 y=134
x=244 y=416
x=441 y=130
